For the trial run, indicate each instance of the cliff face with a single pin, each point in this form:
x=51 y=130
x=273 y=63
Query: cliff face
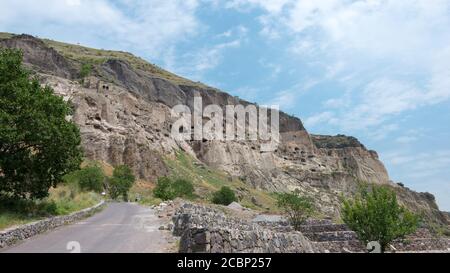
x=124 y=113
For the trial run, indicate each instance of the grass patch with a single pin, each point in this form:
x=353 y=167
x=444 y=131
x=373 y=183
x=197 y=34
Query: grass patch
x=142 y=193
x=63 y=200
x=208 y=180
x=93 y=56
x=4 y=35
x=69 y=200
x=85 y=55
x=10 y=219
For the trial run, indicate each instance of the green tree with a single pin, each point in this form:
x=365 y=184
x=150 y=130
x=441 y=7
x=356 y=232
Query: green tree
x=121 y=182
x=224 y=196
x=38 y=145
x=375 y=215
x=183 y=188
x=168 y=189
x=164 y=189
x=298 y=208
x=91 y=178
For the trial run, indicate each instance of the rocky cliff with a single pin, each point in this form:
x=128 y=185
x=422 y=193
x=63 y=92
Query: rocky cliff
x=123 y=109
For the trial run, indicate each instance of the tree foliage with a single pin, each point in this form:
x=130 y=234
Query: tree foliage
x=163 y=189
x=90 y=178
x=224 y=196
x=183 y=188
x=298 y=208
x=168 y=189
x=375 y=215
x=38 y=145
x=121 y=182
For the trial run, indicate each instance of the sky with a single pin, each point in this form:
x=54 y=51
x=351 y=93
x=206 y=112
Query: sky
x=378 y=70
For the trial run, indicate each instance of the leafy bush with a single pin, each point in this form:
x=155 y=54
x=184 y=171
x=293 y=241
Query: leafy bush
x=224 y=196
x=28 y=208
x=86 y=70
x=121 y=182
x=298 y=208
x=183 y=188
x=167 y=189
x=375 y=215
x=90 y=179
x=164 y=190
x=50 y=207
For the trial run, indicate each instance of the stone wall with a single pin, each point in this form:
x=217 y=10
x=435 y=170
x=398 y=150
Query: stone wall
x=212 y=230
x=208 y=230
x=12 y=236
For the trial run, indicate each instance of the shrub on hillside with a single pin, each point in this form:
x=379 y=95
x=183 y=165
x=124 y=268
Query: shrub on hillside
x=224 y=196
x=164 y=190
x=168 y=189
x=298 y=208
x=86 y=70
x=183 y=188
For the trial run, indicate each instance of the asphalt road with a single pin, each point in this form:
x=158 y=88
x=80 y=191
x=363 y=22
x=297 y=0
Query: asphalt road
x=119 y=228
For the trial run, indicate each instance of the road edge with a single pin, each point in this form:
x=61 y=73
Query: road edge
x=12 y=236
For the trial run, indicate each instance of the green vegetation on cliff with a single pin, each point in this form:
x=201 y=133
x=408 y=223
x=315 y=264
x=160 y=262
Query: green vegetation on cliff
x=225 y=196
x=86 y=55
x=335 y=142
x=207 y=181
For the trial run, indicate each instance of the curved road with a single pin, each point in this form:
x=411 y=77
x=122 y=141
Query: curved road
x=119 y=228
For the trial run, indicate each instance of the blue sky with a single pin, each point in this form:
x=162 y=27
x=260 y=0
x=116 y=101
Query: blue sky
x=375 y=69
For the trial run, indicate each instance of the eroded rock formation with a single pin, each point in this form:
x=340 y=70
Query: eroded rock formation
x=124 y=114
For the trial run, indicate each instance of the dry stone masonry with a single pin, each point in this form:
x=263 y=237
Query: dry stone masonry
x=212 y=230
x=208 y=230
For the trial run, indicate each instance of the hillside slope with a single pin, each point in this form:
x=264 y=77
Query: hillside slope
x=123 y=109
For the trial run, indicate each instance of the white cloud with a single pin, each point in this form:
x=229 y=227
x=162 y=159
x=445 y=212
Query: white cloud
x=420 y=164
x=336 y=103
x=392 y=54
x=194 y=64
x=272 y=6
x=248 y=93
x=380 y=100
x=147 y=26
x=410 y=136
x=287 y=99
x=383 y=131
x=210 y=57
x=406 y=139
x=325 y=117
x=426 y=171
x=283 y=99
x=274 y=68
